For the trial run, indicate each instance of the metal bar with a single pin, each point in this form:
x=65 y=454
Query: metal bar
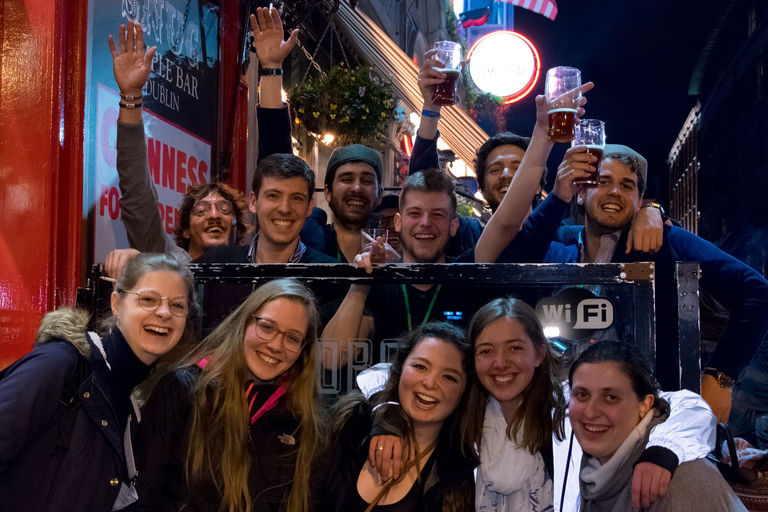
x=449 y=273
x=687 y=302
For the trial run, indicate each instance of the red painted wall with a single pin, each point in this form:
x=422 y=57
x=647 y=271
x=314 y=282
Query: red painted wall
x=42 y=64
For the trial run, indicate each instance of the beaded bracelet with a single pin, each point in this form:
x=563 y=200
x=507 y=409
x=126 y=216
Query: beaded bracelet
x=130 y=106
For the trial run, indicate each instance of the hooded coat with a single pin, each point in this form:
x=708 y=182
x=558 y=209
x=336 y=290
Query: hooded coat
x=61 y=422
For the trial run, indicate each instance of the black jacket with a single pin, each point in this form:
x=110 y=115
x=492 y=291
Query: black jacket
x=68 y=458
x=451 y=477
x=161 y=449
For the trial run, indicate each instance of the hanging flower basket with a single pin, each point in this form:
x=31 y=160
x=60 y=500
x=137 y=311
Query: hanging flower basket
x=353 y=105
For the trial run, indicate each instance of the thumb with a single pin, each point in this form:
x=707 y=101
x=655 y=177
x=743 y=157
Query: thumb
x=293 y=37
x=150 y=55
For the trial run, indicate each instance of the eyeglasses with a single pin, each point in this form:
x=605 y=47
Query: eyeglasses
x=150 y=300
x=223 y=206
x=293 y=341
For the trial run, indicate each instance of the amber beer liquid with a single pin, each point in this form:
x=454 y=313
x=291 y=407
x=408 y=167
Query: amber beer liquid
x=445 y=93
x=593 y=180
x=561 y=124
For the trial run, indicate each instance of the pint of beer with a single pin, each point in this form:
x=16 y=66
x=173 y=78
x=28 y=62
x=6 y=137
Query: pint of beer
x=563 y=91
x=590 y=133
x=449 y=54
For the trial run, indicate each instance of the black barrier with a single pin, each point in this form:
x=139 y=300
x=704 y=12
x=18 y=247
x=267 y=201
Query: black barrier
x=578 y=304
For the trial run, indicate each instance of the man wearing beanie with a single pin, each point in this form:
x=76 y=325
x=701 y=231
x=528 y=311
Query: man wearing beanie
x=353 y=190
x=609 y=209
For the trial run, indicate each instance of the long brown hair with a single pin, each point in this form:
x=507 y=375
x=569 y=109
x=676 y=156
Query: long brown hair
x=541 y=412
x=400 y=424
x=220 y=409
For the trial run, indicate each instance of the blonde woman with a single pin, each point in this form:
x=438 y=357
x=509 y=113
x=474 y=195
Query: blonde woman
x=236 y=428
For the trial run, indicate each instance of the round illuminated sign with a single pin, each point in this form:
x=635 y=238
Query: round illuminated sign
x=505 y=64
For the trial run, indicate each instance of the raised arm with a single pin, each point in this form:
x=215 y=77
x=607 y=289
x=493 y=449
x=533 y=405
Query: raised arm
x=271 y=49
x=424 y=154
x=138 y=201
x=515 y=207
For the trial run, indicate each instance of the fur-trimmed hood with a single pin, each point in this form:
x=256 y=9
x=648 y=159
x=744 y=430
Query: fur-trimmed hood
x=66 y=323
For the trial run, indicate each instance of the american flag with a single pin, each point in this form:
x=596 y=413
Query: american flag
x=546 y=8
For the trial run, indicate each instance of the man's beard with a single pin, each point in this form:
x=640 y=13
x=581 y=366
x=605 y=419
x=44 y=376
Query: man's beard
x=353 y=222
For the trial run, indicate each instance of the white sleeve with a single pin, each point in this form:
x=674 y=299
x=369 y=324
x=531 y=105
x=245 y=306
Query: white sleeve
x=690 y=429
x=373 y=379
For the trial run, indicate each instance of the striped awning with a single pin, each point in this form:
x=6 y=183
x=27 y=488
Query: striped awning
x=546 y=8
x=457 y=129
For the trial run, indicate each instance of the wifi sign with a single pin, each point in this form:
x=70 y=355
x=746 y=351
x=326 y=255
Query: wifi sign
x=576 y=312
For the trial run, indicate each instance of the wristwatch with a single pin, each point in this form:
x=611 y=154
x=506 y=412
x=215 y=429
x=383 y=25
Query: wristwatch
x=722 y=379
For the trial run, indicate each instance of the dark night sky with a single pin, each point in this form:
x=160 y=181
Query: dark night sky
x=640 y=56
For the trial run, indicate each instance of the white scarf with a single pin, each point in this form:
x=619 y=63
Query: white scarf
x=510 y=478
x=596 y=476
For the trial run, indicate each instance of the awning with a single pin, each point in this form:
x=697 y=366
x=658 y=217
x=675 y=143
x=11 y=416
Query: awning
x=457 y=129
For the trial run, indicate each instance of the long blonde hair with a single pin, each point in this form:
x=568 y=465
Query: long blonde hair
x=220 y=409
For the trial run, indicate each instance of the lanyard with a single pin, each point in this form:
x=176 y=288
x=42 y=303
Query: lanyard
x=429 y=310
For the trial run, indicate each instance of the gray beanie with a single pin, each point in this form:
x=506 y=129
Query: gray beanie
x=352 y=153
x=642 y=163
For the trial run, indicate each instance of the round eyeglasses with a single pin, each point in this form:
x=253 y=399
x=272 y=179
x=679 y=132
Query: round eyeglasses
x=203 y=207
x=293 y=341
x=150 y=300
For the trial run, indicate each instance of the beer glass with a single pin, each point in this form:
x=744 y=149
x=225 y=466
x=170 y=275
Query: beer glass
x=449 y=54
x=563 y=91
x=370 y=236
x=590 y=133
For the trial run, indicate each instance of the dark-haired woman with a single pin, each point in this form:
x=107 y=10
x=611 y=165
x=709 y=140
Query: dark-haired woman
x=236 y=428
x=614 y=404
x=66 y=407
x=516 y=413
x=425 y=399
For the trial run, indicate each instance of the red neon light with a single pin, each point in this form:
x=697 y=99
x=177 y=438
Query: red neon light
x=407 y=145
x=506 y=100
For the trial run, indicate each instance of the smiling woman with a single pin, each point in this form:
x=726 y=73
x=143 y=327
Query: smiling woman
x=614 y=404
x=66 y=407
x=423 y=401
x=237 y=426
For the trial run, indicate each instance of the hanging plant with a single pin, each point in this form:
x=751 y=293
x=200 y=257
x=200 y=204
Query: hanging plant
x=353 y=105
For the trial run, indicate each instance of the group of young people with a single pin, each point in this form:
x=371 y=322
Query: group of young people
x=459 y=419
x=237 y=424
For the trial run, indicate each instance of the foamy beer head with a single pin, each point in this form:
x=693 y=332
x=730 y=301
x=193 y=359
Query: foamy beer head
x=449 y=55
x=590 y=133
x=563 y=90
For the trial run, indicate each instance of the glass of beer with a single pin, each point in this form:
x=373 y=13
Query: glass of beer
x=590 y=133
x=563 y=91
x=449 y=55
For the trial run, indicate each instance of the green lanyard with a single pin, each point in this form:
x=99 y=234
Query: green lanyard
x=429 y=310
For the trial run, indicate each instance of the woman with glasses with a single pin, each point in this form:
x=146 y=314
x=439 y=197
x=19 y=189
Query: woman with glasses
x=66 y=409
x=237 y=426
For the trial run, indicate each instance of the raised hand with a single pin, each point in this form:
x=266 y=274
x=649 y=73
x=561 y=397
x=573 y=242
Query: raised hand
x=268 y=40
x=429 y=77
x=543 y=106
x=131 y=65
x=577 y=163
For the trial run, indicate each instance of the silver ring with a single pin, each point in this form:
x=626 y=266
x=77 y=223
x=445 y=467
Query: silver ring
x=380 y=448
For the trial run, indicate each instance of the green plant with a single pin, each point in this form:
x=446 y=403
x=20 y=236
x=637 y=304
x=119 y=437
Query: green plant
x=354 y=105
